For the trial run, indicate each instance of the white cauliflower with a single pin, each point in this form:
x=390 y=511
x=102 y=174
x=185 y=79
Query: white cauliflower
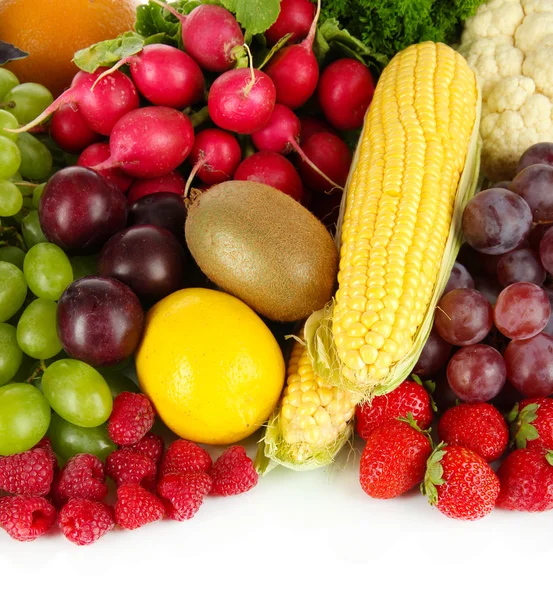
x=509 y=43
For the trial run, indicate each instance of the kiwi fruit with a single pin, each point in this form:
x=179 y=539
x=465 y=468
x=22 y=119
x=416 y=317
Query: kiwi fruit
x=263 y=247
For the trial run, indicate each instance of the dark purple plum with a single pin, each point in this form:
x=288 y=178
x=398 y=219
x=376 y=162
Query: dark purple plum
x=80 y=210
x=164 y=209
x=147 y=258
x=100 y=321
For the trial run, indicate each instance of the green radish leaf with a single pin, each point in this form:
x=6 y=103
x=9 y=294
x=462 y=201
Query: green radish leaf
x=280 y=44
x=255 y=16
x=152 y=18
x=9 y=52
x=320 y=47
x=107 y=53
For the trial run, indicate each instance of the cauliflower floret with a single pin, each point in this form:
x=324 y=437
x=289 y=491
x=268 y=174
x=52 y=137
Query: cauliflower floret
x=509 y=44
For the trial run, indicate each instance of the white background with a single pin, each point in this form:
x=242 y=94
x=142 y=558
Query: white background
x=296 y=535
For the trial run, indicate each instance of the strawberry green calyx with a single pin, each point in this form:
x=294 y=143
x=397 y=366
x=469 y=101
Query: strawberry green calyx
x=430 y=387
x=521 y=424
x=549 y=457
x=410 y=420
x=433 y=476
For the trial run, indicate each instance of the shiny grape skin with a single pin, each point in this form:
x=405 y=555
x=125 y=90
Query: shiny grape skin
x=164 y=209
x=100 y=321
x=496 y=221
x=464 y=317
x=541 y=153
x=434 y=355
x=530 y=365
x=522 y=310
x=520 y=265
x=476 y=373
x=546 y=250
x=549 y=327
x=80 y=210
x=147 y=258
x=535 y=185
x=458 y=278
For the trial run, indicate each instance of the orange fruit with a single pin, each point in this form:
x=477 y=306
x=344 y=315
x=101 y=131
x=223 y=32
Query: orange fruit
x=51 y=31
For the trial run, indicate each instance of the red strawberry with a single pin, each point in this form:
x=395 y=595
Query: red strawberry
x=82 y=477
x=26 y=517
x=136 y=507
x=151 y=445
x=526 y=478
x=478 y=427
x=127 y=466
x=183 y=456
x=131 y=418
x=460 y=483
x=394 y=459
x=409 y=397
x=85 y=521
x=533 y=423
x=183 y=494
x=30 y=473
x=232 y=473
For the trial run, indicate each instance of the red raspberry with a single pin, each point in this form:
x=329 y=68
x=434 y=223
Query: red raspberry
x=85 y=521
x=232 y=473
x=183 y=494
x=26 y=517
x=183 y=456
x=151 y=445
x=127 y=466
x=131 y=418
x=82 y=477
x=46 y=445
x=136 y=507
x=30 y=473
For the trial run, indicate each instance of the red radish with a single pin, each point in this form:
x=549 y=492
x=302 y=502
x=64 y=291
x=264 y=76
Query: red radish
x=295 y=17
x=70 y=131
x=271 y=169
x=97 y=154
x=331 y=155
x=215 y=156
x=281 y=134
x=311 y=125
x=150 y=142
x=172 y=182
x=100 y=107
x=345 y=91
x=164 y=75
x=241 y=100
x=210 y=35
x=295 y=71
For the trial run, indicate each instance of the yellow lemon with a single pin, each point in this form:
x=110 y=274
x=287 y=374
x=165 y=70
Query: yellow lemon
x=210 y=365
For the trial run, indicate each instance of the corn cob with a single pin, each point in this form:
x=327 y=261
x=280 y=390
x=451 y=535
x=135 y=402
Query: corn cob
x=415 y=167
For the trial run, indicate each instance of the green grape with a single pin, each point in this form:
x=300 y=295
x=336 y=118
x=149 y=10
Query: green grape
x=36 y=159
x=12 y=291
x=7 y=82
x=24 y=418
x=36 y=331
x=31 y=99
x=37 y=194
x=47 y=271
x=13 y=255
x=119 y=383
x=11 y=200
x=11 y=356
x=77 y=392
x=8 y=121
x=68 y=439
x=83 y=266
x=10 y=158
x=31 y=231
x=26 y=190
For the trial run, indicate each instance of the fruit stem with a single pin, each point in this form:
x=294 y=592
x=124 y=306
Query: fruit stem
x=67 y=96
x=111 y=70
x=172 y=10
x=190 y=179
x=308 y=41
x=10 y=104
x=200 y=117
x=40 y=369
x=251 y=83
x=26 y=184
x=315 y=168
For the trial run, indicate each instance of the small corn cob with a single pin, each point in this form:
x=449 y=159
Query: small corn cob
x=313 y=419
x=415 y=167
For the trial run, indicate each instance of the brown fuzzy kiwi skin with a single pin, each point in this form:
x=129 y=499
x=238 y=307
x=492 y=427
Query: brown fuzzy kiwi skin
x=263 y=247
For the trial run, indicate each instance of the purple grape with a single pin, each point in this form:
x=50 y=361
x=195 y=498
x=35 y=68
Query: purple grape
x=541 y=153
x=496 y=221
x=459 y=278
x=520 y=265
x=535 y=185
x=530 y=365
x=80 y=210
x=546 y=250
x=434 y=355
x=476 y=373
x=99 y=320
x=147 y=258
x=549 y=327
x=164 y=209
x=522 y=310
